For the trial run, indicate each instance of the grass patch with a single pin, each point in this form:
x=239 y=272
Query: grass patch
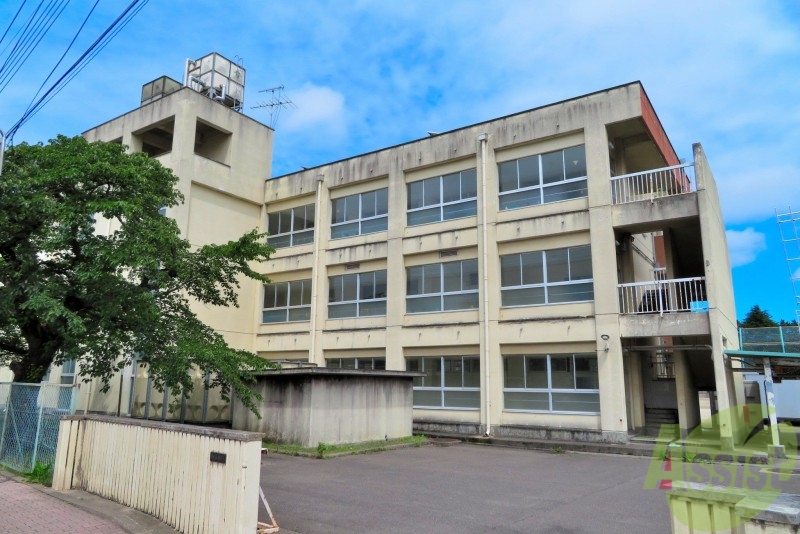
x=41 y=474
x=327 y=450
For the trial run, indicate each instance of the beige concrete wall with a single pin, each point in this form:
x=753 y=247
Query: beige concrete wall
x=164 y=469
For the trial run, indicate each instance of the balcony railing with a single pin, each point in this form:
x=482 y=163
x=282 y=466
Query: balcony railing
x=659 y=296
x=649 y=185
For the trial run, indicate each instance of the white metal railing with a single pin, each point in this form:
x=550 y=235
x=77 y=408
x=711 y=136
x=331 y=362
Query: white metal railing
x=659 y=296
x=652 y=184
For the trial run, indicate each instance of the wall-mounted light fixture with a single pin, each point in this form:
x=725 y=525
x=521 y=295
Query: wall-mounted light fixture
x=605 y=337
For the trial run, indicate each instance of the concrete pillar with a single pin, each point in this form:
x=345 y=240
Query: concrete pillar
x=686 y=393
x=319 y=278
x=634 y=390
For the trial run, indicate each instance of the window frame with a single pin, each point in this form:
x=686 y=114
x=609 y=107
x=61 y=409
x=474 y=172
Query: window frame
x=442 y=388
x=441 y=293
x=441 y=204
x=550 y=390
x=360 y=219
x=288 y=307
x=359 y=301
x=293 y=233
x=357 y=363
x=546 y=285
x=538 y=192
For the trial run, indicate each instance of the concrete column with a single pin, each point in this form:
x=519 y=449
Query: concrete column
x=634 y=390
x=396 y=271
x=319 y=278
x=686 y=393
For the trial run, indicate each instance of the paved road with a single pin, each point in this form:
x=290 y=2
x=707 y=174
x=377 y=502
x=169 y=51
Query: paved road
x=464 y=488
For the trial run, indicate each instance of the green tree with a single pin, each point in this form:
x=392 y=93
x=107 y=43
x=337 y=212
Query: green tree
x=757 y=318
x=67 y=292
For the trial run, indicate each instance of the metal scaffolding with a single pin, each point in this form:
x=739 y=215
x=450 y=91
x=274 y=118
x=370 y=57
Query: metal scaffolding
x=789 y=227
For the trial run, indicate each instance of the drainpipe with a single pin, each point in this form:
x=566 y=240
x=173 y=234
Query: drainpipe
x=482 y=138
x=315 y=269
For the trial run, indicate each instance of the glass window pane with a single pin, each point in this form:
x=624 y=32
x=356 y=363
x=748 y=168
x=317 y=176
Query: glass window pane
x=424 y=216
x=423 y=304
x=552 y=167
x=366 y=286
x=299 y=222
x=300 y=314
x=269 y=296
x=338 y=210
x=382 y=201
x=557 y=193
x=513 y=201
x=414 y=280
x=335 y=289
x=415 y=195
x=472 y=372
x=296 y=293
x=281 y=294
x=452 y=372
x=280 y=241
x=368 y=204
x=348 y=363
x=514 y=371
x=530 y=296
x=310 y=216
x=557 y=265
x=457 y=211
x=306 y=291
x=432 y=278
x=427 y=398
x=529 y=171
x=350 y=287
x=462 y=399
x=510 y=270
x=372 y=308
x=527 y=400
x=302 y=238
x=561 y=374
x=351 y=208
x=379 y=364
x=339 y=311
x=580 y=263
x=431 y=192
x=469 y=183
x=335 y=363
x=451 y=187
x=374 y=225
x=380 y=284
x=469 y=274
x=576 y=402
x=461 y=301
x=536 y=372
x=586 y=376
x=273 y=223
x=433 y=372
x=532 y=272
x=415 y=365
x=285 y=224
x=570 y=293
x=344 y=230
x=451 y=273
x=274 y=316
x=508 y=176
x=575 y=162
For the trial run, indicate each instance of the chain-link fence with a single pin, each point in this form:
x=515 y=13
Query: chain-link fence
x=29 y=416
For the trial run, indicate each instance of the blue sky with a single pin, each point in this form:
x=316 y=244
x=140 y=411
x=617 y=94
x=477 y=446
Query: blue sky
x=365 y=75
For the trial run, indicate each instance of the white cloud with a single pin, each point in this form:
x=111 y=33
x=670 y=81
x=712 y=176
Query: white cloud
x=317 y=108
x=745 y=245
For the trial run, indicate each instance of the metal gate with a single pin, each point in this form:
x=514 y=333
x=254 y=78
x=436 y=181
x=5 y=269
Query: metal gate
x=29 y=416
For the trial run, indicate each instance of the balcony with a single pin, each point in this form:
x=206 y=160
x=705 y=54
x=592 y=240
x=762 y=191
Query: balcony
x=660 y=296
x=652 y=184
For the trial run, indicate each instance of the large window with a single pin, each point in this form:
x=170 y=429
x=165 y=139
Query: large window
x=291 y=227
x=543 y=178
x=551 y=383
x=442 y=287
x=364 y=213
x=376 y=364
x=547 y=277
x=287 y=301
x=357 y=295
x=449 y=382
x=451 y=196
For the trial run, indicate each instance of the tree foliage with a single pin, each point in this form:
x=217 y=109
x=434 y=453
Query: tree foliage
x=69 y=292
x=757 y=318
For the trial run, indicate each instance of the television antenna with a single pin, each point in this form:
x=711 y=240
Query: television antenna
x=278 y=100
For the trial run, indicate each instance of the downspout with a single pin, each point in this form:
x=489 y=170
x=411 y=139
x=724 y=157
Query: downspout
x=315 y=270
x=482 y=138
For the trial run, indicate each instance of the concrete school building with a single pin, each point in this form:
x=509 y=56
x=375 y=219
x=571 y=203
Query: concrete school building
x=558 y=272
